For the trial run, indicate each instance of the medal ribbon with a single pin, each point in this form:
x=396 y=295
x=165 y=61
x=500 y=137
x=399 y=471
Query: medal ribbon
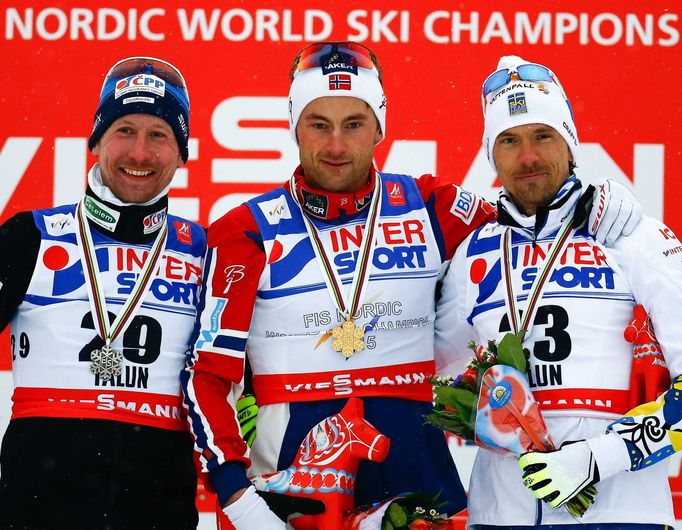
x=361 y=274
x=557 y=248
x=98 y=305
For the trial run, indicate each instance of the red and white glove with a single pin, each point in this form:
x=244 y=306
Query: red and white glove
x=649 y=375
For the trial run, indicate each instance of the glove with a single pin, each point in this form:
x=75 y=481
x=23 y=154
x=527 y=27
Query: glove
x=250 y=511
x=649 y=375
x=247 y=412
x=558 y=476
x=287 y=506
x=615 y=212
x=267 y=510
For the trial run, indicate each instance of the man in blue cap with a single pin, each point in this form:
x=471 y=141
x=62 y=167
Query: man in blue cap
x=101 y=300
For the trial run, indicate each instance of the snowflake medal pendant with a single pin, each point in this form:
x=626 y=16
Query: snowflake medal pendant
x=348 y=338
x=106 y=362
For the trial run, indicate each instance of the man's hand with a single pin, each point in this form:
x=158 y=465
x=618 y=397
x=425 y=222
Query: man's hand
x=615 y=212
x=247 y=412
x=286 y=506
x=250 y=511
x=266 y=510
x=558 y=476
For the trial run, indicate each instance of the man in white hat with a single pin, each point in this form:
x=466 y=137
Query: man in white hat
x=537 y=271
x=326 y=285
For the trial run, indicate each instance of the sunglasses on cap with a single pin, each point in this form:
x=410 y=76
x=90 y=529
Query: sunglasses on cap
x=322 y=54
x=148 y=65
x=524 y=72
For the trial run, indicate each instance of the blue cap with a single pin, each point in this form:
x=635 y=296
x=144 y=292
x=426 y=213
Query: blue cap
x=146 y=92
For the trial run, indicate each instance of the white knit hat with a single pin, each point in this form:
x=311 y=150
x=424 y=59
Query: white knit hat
x=522 y=102
x=315 y=83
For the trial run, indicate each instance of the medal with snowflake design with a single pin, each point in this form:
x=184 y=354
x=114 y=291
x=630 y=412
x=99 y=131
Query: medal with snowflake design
x=106 y=362
x=348 y=338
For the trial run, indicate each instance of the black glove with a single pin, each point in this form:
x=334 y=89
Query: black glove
x=284 y=506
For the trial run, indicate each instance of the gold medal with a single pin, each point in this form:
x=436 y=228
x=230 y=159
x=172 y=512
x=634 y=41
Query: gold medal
x=348 y=338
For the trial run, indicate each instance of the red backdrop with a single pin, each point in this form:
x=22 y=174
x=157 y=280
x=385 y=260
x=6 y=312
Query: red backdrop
x=619 y=63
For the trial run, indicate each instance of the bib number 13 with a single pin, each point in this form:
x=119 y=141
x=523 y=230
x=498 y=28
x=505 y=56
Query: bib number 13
x=556 y=344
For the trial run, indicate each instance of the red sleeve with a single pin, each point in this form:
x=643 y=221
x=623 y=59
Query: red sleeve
x=215 y=371
x=454 y=211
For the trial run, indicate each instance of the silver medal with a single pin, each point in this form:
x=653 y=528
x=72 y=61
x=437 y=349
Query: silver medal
x=106 y=362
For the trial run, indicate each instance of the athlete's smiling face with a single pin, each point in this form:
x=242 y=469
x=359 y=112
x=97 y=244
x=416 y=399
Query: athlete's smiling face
x=138 y=155
x=336 y=139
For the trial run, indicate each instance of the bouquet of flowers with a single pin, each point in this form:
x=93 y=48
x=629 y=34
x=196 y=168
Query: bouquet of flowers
x=491 y=405
x=413 y=511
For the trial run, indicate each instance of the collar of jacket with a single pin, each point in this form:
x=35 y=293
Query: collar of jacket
x=136 y=223
x=332 y=206
x=547 y=219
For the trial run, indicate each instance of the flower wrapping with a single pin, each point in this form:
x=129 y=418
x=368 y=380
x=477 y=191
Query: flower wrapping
x=491 y=405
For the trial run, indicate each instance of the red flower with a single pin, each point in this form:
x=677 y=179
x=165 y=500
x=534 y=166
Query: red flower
x=470 y=376
x=421 y=524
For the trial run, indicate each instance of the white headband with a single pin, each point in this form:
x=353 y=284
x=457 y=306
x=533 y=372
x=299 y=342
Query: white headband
x=525 y=102
x=312 y=84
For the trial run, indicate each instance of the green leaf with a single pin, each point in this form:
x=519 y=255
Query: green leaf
x=457 y=398
x=396 y=515
x=445 y=396
x=510 y=352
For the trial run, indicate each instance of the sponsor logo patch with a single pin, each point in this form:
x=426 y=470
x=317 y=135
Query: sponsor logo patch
x=517 y=103
x=672 y=251
x=338 y=62
x=233 y=273
x=667 y=233
x=59 y=224
x=183 y=231
x=318 y=205
x=274 y=210
x=395 y=194
x=140 y=83
x=464 y=205
x=101 y=214
x=154 y=221
x=138 y=99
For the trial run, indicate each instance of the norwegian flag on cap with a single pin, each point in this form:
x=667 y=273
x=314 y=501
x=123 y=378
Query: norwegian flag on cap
x=339 y=82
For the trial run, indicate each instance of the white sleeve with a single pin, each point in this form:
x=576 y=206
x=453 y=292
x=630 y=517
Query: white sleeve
x=651 y=259
x=452 y=332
